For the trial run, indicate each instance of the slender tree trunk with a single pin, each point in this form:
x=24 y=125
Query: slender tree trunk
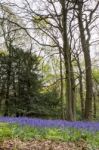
x=81 y=88
x=61 y=90
x=2 y=96
x=19 y=82
x=8 y=84
x=86 y=51
x=94 y=106
x=67 y=60
x=89 y=91
x=81 y=95
x=14 y=93
x=73 y=93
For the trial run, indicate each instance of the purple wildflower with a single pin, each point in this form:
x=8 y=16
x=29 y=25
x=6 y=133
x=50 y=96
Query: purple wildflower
x=92 y=126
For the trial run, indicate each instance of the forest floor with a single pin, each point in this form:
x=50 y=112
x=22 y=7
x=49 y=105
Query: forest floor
x=17 y=144
x=14 y=136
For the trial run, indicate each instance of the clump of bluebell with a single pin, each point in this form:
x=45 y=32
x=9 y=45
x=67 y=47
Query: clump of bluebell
x=92 y=126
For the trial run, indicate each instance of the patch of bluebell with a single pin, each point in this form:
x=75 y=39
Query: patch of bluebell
x=92 y=126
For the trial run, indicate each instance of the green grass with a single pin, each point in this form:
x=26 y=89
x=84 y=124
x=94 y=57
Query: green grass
x=11 y=131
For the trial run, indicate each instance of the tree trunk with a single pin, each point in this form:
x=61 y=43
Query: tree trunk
x=73 y=93
x=14 y=93
x=81 y=88
x=67 y=60
x=86 y=51
x=8 y=83
x=94 y=106
x=61 y=87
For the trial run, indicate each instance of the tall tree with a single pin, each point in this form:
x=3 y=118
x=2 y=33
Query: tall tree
x=86 y=50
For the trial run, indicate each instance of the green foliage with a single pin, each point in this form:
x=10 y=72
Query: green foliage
x=21 y=77
x=96 y=75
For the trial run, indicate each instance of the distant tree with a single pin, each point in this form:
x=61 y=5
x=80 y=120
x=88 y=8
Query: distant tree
x=23 y=83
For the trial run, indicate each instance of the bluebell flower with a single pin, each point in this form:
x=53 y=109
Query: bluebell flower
x=92 y=126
